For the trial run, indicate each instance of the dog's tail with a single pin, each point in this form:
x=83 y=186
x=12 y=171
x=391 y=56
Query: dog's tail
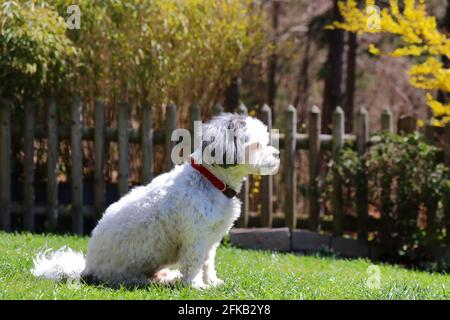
x=60 y=264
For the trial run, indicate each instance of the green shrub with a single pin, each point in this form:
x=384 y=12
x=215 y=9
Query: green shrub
x=135 y=50
x=163 y=50
x=405 y=183
x=35 y=53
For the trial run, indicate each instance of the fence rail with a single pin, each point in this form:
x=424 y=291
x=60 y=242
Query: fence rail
x=290 y=140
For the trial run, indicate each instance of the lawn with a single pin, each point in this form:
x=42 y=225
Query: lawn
x=247 y=274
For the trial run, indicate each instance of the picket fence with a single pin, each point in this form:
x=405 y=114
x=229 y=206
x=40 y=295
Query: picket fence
x=290 y=140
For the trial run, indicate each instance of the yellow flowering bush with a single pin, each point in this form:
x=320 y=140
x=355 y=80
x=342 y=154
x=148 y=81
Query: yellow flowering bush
x=419 y=37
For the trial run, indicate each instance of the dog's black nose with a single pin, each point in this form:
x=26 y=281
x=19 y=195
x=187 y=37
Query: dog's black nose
x=276 y=154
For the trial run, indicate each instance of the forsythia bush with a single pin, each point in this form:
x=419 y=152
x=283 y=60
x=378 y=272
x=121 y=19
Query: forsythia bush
x=419 y=37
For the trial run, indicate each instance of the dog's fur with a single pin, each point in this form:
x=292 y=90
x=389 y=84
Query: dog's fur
x=179 y=218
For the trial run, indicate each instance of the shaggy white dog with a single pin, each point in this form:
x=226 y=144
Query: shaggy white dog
x=177 y=219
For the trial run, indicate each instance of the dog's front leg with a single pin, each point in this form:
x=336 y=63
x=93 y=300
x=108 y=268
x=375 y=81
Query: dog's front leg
x=191 y=263
x=209 y=270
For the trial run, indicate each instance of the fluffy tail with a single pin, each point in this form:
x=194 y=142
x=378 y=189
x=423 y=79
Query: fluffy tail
x=60 y=264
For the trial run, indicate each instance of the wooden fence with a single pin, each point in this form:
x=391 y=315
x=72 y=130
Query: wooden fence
x=290 y=140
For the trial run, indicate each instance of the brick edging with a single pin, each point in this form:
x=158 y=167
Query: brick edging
x=281 y=239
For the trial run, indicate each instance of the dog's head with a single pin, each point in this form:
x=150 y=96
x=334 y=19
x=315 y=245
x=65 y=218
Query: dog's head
x=231 y=140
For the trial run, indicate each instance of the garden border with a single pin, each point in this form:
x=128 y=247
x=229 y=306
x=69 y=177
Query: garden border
x=309 y=242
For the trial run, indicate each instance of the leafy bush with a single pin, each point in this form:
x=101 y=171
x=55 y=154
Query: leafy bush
x=135 y=50
x=404 y=182
x=35 y=54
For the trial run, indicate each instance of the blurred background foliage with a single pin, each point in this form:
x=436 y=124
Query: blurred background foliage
x=36 y=53
x=259 y=51
x=136 y=50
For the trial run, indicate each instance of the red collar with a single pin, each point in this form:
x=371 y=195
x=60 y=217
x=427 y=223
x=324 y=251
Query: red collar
x=219 y=184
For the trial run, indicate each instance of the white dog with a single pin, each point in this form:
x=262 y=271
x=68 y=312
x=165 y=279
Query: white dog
x=177 y=219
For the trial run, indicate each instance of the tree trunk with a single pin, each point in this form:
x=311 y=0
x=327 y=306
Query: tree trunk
x=332 y=92
x=302 y=91
x=444 y=97
x=349 y=100
x=232 y=96
x=272 y=72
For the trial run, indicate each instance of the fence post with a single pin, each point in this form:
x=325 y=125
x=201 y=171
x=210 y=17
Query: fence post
x=338 y=142
x=447 y=163
x=447 y=144
x=362 y=137
x=387 y=123
x=147 y=143
x=431 y=206
x=52 y=166
x=171 y=125
x=406 y=124
x=387 y=126
x=100 y=150
x=77 y=167
x=218 y=109
x=314 y=166
x=194 y=115
x=28 y=187
x=267 y=181
x=123 y=140
x=290 y=171
x=5 y=164
x=429 y=133
x=243 y=195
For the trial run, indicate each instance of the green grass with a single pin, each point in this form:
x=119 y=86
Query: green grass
x=247 y=274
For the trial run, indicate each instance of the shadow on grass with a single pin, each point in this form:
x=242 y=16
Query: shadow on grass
x=92 y=281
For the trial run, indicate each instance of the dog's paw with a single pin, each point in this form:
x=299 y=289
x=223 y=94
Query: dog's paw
x=214 y=282
x=210 y=278
x=199 y=286
x=196 y=284
x=167 y=276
